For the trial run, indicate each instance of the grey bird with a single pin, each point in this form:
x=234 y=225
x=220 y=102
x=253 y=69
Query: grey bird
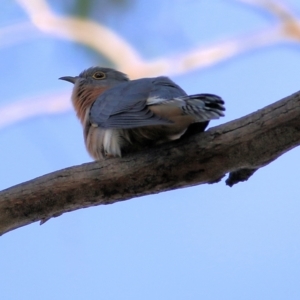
x=120 y=116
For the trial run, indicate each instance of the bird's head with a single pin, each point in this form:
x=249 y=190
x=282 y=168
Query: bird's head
x=91 y=83
x=97 y=77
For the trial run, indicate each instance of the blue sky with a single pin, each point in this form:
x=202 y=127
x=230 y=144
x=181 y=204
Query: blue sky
x=204 y=242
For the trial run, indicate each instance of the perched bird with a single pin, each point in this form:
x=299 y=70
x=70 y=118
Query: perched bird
x=119 y=115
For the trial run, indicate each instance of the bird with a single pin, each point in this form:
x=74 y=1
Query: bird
x=121 y=116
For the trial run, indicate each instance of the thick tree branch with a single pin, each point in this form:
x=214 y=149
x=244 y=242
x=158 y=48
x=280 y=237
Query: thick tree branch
x=239 y=147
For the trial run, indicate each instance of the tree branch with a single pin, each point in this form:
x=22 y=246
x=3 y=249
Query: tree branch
x=247 y=144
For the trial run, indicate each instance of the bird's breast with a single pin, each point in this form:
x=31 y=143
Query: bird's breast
x=102 y=142
x=83 y=98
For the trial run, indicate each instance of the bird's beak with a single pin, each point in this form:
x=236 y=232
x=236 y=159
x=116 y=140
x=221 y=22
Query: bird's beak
x=69 y=78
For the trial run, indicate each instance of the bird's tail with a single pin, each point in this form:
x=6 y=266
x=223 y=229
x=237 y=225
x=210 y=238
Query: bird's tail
x=203 y=107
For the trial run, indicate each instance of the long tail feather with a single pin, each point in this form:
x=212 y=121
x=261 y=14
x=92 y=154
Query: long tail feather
x=204 y=107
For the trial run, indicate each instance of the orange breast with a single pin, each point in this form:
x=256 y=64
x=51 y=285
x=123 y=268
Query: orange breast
x=83 y=97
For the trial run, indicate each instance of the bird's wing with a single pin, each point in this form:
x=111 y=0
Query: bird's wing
x=203 y=107
x=126 y=105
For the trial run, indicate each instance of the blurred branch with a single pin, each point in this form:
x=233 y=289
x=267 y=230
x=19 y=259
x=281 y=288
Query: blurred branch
x=22 y=110
x=126 y=58
x=86 y=32
x=288 y=23
x=18 y=33
x=239 y=147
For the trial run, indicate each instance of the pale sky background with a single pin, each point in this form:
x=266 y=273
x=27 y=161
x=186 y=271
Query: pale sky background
x=205 y=242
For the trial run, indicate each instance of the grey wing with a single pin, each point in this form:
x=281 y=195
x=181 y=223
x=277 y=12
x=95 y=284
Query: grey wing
x=126 y=105
x=164 y=89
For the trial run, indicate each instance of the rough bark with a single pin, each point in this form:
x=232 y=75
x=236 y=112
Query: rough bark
x=239 y=147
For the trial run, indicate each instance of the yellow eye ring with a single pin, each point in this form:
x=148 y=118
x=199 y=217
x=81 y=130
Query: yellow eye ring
x=99 y=75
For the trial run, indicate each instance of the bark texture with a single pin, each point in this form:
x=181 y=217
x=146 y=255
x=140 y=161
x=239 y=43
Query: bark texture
x=239 y=147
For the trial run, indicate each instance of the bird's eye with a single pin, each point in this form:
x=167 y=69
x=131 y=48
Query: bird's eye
x=99 y=75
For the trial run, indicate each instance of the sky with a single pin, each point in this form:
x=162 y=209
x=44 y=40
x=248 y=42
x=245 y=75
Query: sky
x=203 y=242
